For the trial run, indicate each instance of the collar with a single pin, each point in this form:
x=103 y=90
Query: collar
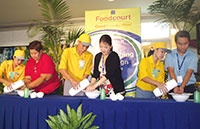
x=39 y=59
x=186 y=53
x=76 y=53
x=151 y=60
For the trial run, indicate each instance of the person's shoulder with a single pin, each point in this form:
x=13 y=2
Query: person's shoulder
x=98 y=54
x=191 y=52
x=172 y=53
x=114 y=54
x=6 y=62
x=146 y=59
x=88 y=53
x=30 y=60
x=69 y=49
x=45 y=56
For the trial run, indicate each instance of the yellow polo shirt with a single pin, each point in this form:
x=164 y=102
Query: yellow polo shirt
x=76 y=66
x=6 y=69
x=146 y=67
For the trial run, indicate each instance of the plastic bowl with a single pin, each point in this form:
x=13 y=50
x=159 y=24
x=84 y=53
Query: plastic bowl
x=181 y=97
x=92 y=94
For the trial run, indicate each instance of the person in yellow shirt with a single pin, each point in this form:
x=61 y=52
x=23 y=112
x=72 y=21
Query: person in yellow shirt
x=76 y=64
x=12 y=70
x=151 y=73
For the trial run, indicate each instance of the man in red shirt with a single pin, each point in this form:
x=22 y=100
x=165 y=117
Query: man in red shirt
x=40 y=72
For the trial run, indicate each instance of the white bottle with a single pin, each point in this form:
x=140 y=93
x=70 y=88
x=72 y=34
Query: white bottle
x=14 y=85
x=169 y=85
x=83 y=84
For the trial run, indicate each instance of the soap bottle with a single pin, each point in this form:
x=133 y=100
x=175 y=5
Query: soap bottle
x=197 y=95
x=103 y=94
x=26 y=92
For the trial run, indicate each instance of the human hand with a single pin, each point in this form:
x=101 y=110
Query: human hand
x=9 y=85
x=75 y=84
x=22 y=88
x=90 y=88
x=178 y=90
x=181 y=90
x=162 y=88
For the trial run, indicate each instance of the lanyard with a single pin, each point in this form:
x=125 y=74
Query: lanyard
x=180 y=65
x=103 y=65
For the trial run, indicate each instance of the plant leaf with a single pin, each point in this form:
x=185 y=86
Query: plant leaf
x=85 y=119
x=63 y=116
x=79 y=112
x=74 y=118
x=182 y=14
x=94 y=127
x=69 y=111
x=51 y=124
x=89 y=123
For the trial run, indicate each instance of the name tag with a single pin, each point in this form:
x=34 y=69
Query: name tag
x=155 y=72
x=179 y=79
x=81 y=64
x=11 y=75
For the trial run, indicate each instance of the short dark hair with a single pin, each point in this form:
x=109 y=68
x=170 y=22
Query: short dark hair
x=37 y=45
x=182 y=33
x=106 y=38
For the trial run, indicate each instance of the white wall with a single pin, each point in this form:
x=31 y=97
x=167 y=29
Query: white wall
x=15 y=38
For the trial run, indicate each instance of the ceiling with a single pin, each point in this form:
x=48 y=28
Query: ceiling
x=15 y=13
x=20 y=13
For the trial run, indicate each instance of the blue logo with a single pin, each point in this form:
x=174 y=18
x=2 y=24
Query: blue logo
x=112 y=12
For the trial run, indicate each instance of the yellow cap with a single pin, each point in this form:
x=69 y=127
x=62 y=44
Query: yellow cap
x=19 y=54
x=85 y=39
x=161 y=45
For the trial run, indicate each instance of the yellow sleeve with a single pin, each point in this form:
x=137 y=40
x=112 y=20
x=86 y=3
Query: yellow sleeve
x=2 y=68
x=143 y=66
x=63 y=61
x=89 y=66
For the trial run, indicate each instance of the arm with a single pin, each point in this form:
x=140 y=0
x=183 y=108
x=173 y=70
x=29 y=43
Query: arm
x=160 y=85
x=85 y=76
x=95 y=74
x=74 y=83
x=173 y=76
x=42 y=79
x=185 y=80
x=95 y=84
x=3 y=71
x=5 y=81
x=8 y=84
x=171 y=73
x=112 y=63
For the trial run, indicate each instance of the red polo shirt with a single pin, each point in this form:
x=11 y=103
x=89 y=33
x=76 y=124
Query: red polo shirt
x=44 y=66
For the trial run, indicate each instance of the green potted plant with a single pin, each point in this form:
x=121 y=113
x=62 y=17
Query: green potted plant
x=182 y=14
x=72 y=120
x=55 y=16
